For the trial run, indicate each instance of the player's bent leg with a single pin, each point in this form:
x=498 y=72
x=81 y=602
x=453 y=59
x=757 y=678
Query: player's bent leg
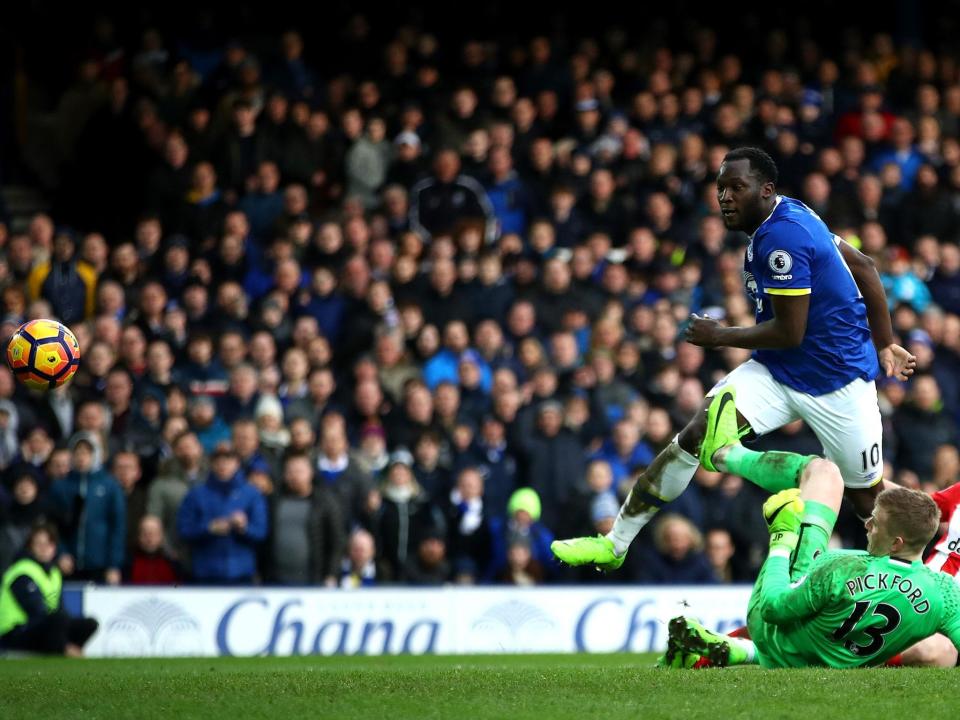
x=821 y=489
x=721 y=449
x=934 y=651
x=664 y=480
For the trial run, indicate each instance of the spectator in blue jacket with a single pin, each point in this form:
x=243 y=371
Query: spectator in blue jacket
x=511 y=201
x=90 y=510
x=223 y=521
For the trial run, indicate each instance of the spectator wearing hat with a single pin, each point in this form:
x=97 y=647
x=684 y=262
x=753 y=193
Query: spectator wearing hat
x=274 y=435
x=407 y=167
x=372 y=456
x=89 y=507
x=522 y=524
x=404 y=512
x=223 y=521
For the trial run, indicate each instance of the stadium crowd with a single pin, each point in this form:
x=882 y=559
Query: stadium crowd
x=408 y=321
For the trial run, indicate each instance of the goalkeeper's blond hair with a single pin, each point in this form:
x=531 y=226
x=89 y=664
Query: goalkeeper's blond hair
x=911 y=515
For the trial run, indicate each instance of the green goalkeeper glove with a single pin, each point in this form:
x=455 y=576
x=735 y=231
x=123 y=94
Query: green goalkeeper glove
x=782 y=513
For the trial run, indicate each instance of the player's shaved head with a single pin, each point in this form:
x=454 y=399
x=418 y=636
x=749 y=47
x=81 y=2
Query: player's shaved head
x=760 y=162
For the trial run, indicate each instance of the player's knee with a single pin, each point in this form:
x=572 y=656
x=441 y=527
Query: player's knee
x=822 y=471
x=934 y=651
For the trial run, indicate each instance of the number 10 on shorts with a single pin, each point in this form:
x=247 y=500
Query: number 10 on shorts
x=874 y=456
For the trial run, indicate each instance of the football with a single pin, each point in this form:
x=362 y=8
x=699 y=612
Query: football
x=43 y=354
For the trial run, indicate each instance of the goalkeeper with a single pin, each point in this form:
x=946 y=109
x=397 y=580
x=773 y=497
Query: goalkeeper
x=813 y=607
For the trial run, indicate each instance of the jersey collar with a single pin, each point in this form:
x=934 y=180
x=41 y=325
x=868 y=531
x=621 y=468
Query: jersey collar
x=772 y=210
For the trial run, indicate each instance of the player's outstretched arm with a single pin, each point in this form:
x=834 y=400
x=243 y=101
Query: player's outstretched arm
x=785 y=330
x=781 y=602
x=895 y=360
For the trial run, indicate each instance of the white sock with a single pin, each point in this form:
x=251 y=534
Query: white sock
x=676 y=468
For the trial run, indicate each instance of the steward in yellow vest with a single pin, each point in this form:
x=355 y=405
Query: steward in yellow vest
x=31 y=616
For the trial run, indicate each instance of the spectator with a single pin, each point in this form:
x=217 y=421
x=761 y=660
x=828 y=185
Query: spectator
x=521 y=523
x=89 y=506
x=67 y=283
x=18 y=517
x=150 y=562
x=439 y=202
x=350 y=484
x=128 y=473
x=404 y=513
x=185 y=469
x=429 y=566
x=921 y=425
x=522 y=569
x=307 y=537
x=222 y=521
x=469 y=526
x=32 y=617
x=677 y=557
x=719 y=549
x=358 y=568
x=554 y=460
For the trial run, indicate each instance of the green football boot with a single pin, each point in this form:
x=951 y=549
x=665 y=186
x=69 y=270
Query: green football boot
x=690 y=637
x=585 y=550
x=677 y=660
x=722 y=428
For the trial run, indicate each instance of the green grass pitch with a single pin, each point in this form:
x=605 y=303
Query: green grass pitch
x=605 y=687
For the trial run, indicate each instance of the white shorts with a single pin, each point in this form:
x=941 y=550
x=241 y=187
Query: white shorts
x=846 y=421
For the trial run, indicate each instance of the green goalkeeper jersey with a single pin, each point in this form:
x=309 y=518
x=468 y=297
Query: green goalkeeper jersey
x=852 y=609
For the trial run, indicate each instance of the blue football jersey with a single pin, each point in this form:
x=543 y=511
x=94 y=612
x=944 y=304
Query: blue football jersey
x=794 y=253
